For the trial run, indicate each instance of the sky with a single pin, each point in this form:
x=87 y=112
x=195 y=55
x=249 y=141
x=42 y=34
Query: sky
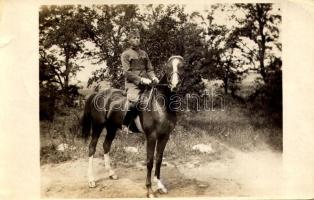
x=86 y=72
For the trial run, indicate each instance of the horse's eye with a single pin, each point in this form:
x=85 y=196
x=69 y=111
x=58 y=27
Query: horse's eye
x=181 y=68
x=170 y=68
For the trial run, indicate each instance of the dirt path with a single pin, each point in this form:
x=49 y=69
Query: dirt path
x=244 y=174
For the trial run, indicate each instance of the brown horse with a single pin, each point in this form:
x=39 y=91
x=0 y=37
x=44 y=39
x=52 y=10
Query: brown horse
x=157 y=120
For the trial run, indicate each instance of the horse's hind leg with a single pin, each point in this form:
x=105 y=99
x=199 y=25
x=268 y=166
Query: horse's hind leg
x=161 y=144
x=111 y=133
x=91 y=151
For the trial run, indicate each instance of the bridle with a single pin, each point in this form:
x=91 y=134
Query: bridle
x=170 y=76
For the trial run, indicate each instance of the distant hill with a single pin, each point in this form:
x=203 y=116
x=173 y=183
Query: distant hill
x=250 y=78
x=246 y=87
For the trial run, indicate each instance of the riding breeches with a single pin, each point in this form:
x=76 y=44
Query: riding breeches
x=133 y=92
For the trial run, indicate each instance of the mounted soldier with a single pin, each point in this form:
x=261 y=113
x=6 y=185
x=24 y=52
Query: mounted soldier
x=102 y=110
x=138 y=71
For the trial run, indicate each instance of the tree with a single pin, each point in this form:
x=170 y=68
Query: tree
x=249 y=44
x=170 y=31
x=108 y=31
x=261 y=26
x=61 y=40
x=222 y=60
x=165 y=31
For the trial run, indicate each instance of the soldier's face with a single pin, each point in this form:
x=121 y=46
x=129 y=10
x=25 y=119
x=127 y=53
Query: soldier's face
x=135 y=40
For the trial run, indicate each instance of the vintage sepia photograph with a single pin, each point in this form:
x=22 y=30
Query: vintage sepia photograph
x=160 y=100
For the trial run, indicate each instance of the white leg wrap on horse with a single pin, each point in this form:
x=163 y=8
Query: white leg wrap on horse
x=107 y=161
x=90 y=169
x=160 y=185
x=90 y=175
x=108 y=166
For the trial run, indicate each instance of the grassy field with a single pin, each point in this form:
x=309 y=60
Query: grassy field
x=234 y=127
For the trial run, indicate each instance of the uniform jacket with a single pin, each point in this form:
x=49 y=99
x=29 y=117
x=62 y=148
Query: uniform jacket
x=136 y=65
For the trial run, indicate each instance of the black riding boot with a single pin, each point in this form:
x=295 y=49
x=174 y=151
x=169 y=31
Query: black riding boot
x=131 y=114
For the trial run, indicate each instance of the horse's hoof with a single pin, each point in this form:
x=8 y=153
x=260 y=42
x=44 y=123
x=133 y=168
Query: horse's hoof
x=162 y=190
x=114 y=177
x=151 y=195
x=91 y=184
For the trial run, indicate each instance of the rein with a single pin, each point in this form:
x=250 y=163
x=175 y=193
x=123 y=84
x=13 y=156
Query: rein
x=155 y=85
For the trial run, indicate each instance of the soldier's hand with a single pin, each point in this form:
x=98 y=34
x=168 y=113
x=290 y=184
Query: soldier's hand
x=155 y=80
x=146 y=81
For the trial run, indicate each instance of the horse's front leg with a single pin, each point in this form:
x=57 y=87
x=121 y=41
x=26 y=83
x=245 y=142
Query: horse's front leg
x=161 y=144
x=151 y=143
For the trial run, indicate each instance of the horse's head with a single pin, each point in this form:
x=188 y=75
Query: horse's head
x=173 y=72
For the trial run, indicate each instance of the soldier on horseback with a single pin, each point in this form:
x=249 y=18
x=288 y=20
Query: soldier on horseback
x=138 y=72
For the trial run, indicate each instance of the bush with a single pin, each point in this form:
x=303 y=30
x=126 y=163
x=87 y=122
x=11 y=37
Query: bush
x=265 y=105
x=268 y=96
x=50 y=154
x=47 y=102
x=54 y=100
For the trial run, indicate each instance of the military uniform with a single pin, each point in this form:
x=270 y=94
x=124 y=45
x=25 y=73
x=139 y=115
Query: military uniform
x=136 y=65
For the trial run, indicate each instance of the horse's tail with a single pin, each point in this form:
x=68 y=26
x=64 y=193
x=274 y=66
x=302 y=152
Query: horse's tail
x=87 y=118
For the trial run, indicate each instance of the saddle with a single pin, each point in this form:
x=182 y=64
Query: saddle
x=134 y=109
x=114 y=103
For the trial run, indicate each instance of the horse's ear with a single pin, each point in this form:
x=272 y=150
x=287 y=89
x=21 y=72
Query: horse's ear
x=184 y=65
x=167 y=65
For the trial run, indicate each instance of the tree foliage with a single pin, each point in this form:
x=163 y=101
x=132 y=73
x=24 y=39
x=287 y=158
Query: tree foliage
x=109 y=25
x=170 y=31
x=165 y=31
x=260 y=25
x=62 y=34
x=61 y=41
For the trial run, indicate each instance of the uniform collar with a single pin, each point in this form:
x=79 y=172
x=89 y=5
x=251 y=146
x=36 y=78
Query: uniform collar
x=135 y=48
